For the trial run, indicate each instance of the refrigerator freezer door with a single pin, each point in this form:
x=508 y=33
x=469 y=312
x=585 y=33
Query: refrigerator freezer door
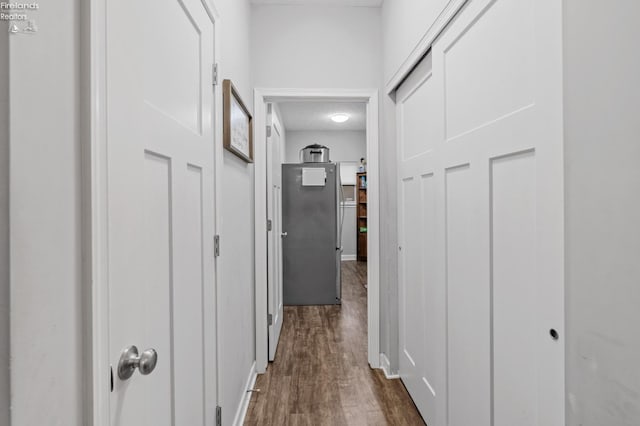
x=309 y=248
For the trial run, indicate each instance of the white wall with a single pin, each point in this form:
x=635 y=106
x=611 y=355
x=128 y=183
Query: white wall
x=389 y=325
x=236 y=344
x=47 y=348
x=602 y=156
x=46 y=293
x=344 y=146
x=326 y=47
x=4 y=225
x=404 y=23
x=315 y=47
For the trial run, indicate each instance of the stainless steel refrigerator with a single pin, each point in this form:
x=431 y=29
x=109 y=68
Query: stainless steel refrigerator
x=311 y=222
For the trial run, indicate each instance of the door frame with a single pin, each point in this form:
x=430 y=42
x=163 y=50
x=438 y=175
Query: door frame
x=95 y=243
x=370 y=97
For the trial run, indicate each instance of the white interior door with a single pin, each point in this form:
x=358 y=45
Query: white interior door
x=481 y=219
x=422 y=292
x=274 y=214
x=160 y=219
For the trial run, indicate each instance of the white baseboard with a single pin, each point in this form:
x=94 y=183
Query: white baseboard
x=385 y=365
x=349 y=257
x=244 y=403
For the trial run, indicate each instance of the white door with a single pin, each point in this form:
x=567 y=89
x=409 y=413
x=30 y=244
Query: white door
x=160 y=221
x=421 y=293
x=481 y=178
x=274 y=214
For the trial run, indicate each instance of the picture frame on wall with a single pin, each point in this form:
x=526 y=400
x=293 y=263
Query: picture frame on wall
x=238 y=123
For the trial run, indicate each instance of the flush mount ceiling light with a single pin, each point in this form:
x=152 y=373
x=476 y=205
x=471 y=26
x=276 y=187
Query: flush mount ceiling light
x=339 y=118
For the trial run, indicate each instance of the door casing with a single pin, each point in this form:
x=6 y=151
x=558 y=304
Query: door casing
x=262 y=96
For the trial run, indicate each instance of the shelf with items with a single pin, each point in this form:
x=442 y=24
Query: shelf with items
x=361 y=213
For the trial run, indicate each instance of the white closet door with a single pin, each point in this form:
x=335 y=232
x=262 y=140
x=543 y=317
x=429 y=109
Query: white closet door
x=422 y=296
x=481 y=229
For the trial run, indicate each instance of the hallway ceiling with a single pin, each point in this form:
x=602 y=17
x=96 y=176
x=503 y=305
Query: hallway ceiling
x=316 y=115
x=360 y=3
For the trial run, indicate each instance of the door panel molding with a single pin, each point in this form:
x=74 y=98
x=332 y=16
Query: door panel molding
x=498 y=168
x=95 y=213
x=421 y=291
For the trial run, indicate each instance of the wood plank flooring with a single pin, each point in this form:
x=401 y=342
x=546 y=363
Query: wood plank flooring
x=321 y=375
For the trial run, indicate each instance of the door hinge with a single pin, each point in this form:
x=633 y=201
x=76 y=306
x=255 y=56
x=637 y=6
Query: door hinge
x=268 y=131
x=269 y=225
x=269 y=319
x=218 y=416
x=215 y=74
x=216 y=245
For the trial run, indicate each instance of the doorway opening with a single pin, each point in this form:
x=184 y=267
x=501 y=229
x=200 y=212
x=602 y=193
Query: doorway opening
x=295 y=118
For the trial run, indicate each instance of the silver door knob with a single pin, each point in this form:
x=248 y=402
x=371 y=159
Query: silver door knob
x=130 y=360
x=284 y=234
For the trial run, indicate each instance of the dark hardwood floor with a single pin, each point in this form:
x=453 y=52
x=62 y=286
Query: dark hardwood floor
x=321 y=375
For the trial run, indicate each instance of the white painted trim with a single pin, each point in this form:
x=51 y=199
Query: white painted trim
x=94 y=166
x=385 y=366
x=94 y=204
x=212 y=10
x=346 y=257
x=448 y=13
x=370 y=96
x=373 y=233
x=218 y=173
x=261 y=243
x=241 y=412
